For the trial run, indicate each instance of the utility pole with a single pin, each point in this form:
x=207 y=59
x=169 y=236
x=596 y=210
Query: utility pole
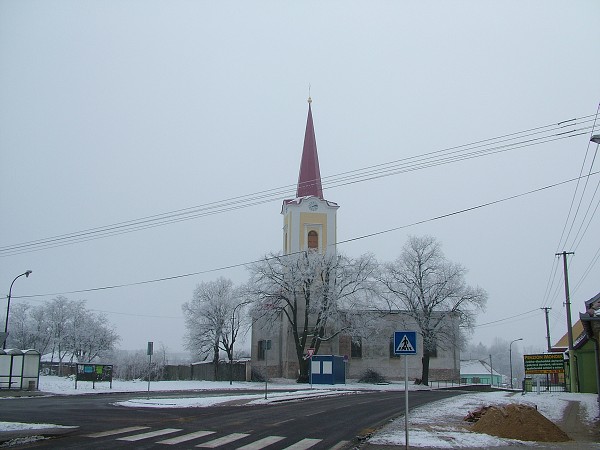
x=546 y=309
x=569 y=325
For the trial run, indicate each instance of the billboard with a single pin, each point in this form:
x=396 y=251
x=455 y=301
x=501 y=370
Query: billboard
x=544 y=363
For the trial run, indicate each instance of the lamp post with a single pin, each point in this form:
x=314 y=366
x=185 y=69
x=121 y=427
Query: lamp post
x=233 y=340
x=510 y=359
x=26 y=273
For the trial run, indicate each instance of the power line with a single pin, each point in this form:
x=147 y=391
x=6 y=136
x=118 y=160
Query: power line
x=365 y=236
x=427 y=160
x=588 y=208
x=506 y=318
x=576 y=189
x=587 y=271
x=546 y=297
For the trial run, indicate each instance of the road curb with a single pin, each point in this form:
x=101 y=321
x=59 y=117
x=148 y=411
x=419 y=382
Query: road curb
x=6 y=436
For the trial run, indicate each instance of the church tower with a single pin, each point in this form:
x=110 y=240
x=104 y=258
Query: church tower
x=309 y=221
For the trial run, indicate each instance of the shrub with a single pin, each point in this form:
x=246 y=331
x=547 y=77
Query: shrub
x=372 y=376
x=256 y=375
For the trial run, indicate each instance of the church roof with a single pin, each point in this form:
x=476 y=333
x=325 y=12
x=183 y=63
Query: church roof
x=309 y=179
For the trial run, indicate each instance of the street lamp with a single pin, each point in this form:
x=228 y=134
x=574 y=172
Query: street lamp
x=26 y=273
x=510 y=359
x=233 y=340
x=595 y=138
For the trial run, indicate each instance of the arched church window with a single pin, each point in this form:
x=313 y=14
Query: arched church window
x=313 y=240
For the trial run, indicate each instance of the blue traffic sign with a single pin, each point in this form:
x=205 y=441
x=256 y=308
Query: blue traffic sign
x=405 y=343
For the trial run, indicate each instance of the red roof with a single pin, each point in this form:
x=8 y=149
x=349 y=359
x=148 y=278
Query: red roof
x=309 y=179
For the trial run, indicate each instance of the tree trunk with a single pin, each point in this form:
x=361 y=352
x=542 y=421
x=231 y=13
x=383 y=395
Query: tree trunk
x=303 y=376
x=425 y=371
x=216 y=361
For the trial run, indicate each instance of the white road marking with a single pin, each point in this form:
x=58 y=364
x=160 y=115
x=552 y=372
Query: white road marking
x=223 y=440
x=149 y=434
x=113 y=432
x=303 y=444
x=185 y=437
x=339 y=445
x=262 y=443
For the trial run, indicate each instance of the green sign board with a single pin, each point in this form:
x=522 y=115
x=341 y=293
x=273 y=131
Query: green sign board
x=544 y=363
x=94 y=373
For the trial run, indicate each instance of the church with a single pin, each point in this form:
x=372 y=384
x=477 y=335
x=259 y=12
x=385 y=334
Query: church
x=310 y=224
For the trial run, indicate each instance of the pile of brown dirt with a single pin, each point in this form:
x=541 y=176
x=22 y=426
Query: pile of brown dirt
x=518 y=422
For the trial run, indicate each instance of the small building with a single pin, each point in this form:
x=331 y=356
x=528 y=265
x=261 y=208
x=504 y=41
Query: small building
x=586 y=351
x=19 y=369
x=477 y=371
x=327 y=369
x=590 y=321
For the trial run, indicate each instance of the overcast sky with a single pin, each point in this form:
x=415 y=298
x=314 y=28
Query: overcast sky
x=117 y=111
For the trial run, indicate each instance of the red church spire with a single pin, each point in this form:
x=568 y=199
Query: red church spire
x=309 y=179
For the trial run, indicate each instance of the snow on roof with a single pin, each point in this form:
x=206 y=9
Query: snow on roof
x=53 y=357
x=475 y=367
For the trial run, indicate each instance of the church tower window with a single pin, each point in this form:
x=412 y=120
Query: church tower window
x=313 y=240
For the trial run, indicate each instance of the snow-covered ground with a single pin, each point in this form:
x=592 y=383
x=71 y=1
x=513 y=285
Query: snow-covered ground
x=433 y=425
x=438 y=424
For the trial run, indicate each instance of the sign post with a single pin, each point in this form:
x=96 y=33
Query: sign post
x=346 y=358
x=150 y=351
x=309 y=354
x=266 y=346
x=405 y=343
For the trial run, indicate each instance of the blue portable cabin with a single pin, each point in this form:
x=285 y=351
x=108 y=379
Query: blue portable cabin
x=327 y=369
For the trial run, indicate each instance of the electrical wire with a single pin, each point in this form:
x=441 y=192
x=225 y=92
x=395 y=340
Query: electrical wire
x=493 y=322
x=364 y=236
x=576 y=190
x=404 y=165
x=546 y=299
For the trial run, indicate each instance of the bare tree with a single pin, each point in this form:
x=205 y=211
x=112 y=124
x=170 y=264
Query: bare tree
x=208 y=319
x=21 y=327
x=96 y=337
x=317 y=296
x=58 y=313
x=428 y=287
x=64 y=327
x=41 y=328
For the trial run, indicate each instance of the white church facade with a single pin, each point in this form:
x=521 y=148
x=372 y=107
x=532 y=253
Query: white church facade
x=310 y=223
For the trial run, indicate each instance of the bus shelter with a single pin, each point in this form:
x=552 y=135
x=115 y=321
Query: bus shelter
x=19 y=369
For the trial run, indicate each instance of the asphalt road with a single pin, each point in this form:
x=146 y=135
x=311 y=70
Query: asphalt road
x=318 y=423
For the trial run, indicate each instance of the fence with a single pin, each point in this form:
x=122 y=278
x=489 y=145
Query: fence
x=238 y=371
x=545 y=385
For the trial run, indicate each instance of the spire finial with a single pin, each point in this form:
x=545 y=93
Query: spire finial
x=309 y=99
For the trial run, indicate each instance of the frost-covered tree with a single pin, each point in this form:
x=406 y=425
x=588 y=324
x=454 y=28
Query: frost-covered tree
x=318 y=295
x=41 y=328
x=95 y=337
x=428 y=287
x=212 y=319
x=64 y=328
x=59 y=313
x=21 y=327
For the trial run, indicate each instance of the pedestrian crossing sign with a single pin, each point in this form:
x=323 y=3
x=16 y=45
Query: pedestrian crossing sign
x=405 y=343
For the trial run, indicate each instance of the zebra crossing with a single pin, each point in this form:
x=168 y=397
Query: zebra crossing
x=204 y=438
